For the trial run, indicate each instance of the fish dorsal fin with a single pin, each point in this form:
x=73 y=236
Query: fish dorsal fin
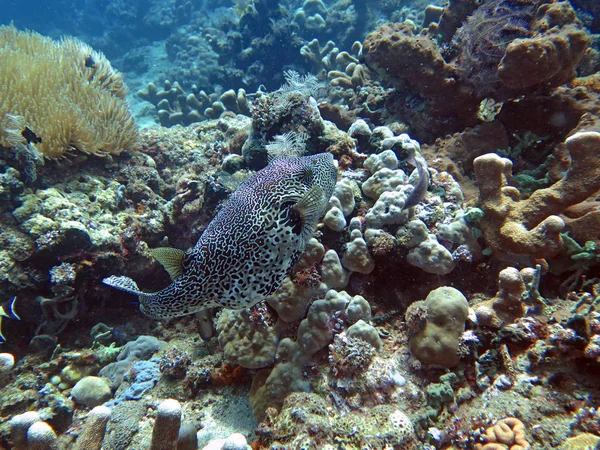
x=171 y=259
x=125 y=284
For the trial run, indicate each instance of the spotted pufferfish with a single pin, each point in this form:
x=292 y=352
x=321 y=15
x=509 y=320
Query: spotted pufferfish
x=250 y=246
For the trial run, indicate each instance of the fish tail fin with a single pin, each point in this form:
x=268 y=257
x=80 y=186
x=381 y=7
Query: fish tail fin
x=11 y=309
x=8 y=309
x=125 y=284
x=151 y=304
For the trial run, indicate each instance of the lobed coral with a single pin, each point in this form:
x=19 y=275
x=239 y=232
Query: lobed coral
x=445 y=313
x=414 y=59
x=252 y=345
x=427 y=86
x=66 y=94
x=549 y=57
x=531 y=227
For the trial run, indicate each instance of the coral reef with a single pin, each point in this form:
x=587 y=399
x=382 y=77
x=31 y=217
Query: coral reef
x=504 y=49
x=384 y=425
x=503 y=352
x=415 y=61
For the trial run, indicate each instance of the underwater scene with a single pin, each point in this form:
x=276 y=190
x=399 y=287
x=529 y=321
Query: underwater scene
x=299 y=224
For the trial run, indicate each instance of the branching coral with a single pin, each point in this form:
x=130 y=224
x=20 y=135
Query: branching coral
x=67 y=95
x=531 y=227
x=175 y=106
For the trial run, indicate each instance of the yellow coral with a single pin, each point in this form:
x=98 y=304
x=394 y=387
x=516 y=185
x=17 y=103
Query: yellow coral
x=65 y=92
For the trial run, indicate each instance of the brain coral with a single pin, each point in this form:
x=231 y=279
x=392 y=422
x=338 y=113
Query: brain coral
x=67 y=94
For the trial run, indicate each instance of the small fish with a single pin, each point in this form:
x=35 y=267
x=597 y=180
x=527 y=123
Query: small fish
x=8 y=310
x=250 y=246
x=30 y=136
x=90 y=62
x=418 y=193
x=243 y=6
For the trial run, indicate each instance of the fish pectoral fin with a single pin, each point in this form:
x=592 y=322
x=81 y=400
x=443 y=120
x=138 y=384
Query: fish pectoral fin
x=312 y=204
x=123 y=283
x=171 y=259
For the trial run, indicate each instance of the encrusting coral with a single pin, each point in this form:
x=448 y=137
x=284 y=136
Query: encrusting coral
x=61 y=96
x=531 y=227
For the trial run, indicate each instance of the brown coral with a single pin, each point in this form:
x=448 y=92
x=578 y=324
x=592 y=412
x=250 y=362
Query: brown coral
x=551 y=55
x=415 y=63
x=531 y=227
x=67 y=94
x=508 y=433
x=506 y=306
x=415 y=59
